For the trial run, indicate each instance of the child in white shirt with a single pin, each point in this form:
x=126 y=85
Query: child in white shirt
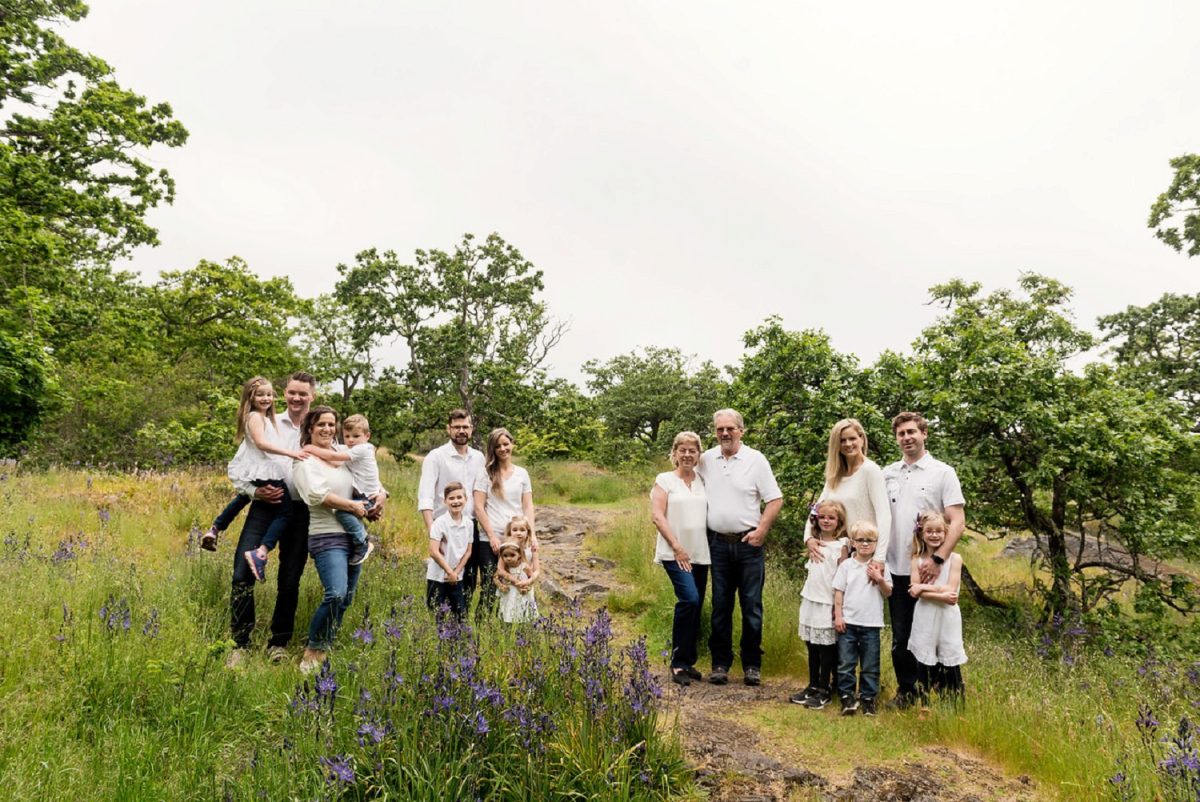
x=449 y=549
x=859 y=588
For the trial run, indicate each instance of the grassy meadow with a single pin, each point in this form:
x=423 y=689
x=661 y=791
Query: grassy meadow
x=112 y=683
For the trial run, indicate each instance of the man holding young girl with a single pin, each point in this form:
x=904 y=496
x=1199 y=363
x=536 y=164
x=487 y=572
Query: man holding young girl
x=915 y=484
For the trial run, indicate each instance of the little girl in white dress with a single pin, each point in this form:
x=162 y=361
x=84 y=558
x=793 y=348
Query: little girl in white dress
x=517 y=604
x=936 y=640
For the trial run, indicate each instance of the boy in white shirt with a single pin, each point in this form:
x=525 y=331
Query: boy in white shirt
x=449 y=549
x=859 y=588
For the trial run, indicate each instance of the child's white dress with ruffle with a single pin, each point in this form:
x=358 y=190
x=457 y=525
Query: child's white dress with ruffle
x=250 y=463
x=517 y=607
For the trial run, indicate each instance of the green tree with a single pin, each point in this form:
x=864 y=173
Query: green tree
x=647 y=396
x=75 y=186
x=1175 y=215
x=335 y=347
x=1158 y=347
x=564 y=424
x=1056 y=452
x=477 y=336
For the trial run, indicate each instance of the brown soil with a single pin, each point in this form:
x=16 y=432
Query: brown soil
x=735 y=761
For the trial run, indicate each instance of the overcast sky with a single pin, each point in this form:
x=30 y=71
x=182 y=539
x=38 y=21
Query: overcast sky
x=679 y=170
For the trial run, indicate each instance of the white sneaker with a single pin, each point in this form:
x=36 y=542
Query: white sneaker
x=277 y=654
x=361 y=554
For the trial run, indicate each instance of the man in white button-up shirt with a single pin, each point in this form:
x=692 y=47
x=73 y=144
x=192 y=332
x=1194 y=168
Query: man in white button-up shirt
x=456 y=461
x=743 y=502
x=915 y=484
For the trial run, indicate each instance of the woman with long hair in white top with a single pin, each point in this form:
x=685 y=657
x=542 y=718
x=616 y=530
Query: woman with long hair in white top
x=855 y=481
x=502 y=492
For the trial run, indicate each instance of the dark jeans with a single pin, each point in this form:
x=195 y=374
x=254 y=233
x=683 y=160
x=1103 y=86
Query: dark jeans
x=480 y=570
x=293 y=553
x=858 y=647
x=230 y=513
x=447 y=593
x=902 y=606
x=689 y=595
x=340 y=579
x=737 y=568
x=822 y=665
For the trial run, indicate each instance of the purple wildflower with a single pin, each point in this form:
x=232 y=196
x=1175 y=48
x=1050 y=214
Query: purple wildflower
x=326 y=685
x=364 y=635
x=338 y=769
x=105 y=515
x=150 y=629
x=370 y=731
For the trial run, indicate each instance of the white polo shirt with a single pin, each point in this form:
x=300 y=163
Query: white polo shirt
x=454 y=537
x=442 y=466
x=737 y=487
x=927 y=484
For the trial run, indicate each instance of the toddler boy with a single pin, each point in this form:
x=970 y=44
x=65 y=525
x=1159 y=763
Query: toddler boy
x=859 y=588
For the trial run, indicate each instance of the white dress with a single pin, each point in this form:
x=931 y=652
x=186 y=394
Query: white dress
x=816 y=603
x=250 y=463
x=517 y=607
x=936 y=635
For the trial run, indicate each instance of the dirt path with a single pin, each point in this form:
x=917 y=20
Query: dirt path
x=737 y=761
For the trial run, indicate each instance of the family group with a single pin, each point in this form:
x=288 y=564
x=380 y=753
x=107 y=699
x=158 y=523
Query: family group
x=873 y=535
x=310 y=484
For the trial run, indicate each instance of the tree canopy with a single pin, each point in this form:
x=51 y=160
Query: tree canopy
x=1175 y=214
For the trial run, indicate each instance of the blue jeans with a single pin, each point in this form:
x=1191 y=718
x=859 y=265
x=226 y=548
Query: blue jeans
x=353 y=526
x=737 y=568
x=339 y=579
x=689 y=595
x=230 y=513
x=858 y=647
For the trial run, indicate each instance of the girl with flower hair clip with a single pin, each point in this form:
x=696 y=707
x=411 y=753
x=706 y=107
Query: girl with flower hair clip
x=828 y=519
x=936 y=640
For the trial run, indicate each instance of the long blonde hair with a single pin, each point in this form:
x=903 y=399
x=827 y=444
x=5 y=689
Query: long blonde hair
x=836 y=467
x=521 y=541
x=492 y=463
x=244 y=406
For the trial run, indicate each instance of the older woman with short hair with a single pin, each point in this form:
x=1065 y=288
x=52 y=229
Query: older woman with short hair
x=326 y=488
x=679 y=509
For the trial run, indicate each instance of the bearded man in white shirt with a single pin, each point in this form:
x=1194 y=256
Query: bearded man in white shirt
x=456 y=461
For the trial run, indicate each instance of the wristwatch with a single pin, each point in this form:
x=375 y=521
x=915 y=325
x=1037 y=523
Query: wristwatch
x=937 y=558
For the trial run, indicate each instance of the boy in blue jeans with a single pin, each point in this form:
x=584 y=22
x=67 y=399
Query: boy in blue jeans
x=859 y=588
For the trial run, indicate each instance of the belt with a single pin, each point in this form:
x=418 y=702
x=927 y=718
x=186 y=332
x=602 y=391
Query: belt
x=728 y=537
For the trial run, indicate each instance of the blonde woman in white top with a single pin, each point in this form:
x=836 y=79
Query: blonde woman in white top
x=856 y=482
x=679 y=509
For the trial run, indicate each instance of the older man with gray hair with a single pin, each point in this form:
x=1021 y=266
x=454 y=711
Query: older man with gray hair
x=743 y=502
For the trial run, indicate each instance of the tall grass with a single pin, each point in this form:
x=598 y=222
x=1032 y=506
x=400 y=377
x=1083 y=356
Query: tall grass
x=113 y=686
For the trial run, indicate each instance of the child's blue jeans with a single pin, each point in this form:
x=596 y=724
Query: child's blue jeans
x=352 y=524
x=858 y=647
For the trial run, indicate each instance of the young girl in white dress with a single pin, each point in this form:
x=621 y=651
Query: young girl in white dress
x=257 y=462
x=937 y=640
x=828 y=520
x=517 y=604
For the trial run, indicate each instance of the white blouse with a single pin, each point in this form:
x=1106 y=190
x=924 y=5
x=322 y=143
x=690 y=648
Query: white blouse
x=314 y=479
x=864 y=496
x=502 y=508
x=687 y=514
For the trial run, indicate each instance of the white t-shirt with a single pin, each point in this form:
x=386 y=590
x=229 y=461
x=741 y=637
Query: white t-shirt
x=865 y=498
x=454 y=537
x=737 y=487
x=818 y=586
x=928 y=484
x=862 y=603
x=503 y=508
x=364 y=469
x=687 y=513
x=442 y=466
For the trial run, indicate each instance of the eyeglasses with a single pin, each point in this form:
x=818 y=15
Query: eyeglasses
x=864 y=540
x=727 y=429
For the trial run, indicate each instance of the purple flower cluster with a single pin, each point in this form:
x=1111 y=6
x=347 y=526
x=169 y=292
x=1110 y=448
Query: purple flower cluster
x=116 y=615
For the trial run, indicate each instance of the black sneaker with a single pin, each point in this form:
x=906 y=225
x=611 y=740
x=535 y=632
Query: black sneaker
x=693 y=673
x=753 y=676
x=680 y=676
x=868 y=707
x=818 y=701
x=719 y=675
x=800 y=697
x=361 y=552
x=208 y=541
x=902 y=701
x=849 y=705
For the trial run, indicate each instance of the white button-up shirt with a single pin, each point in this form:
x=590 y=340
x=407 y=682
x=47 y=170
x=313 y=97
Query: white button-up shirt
x=442 y=466
x=927 y=484
x=737 y=487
